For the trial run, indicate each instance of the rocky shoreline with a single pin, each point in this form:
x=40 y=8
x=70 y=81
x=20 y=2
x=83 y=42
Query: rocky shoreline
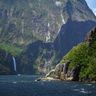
x=62 y=73
x=68 y=79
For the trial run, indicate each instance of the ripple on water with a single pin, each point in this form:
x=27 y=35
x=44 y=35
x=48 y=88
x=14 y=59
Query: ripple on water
x=14 y=82
x=27 y=86
x=82 y=90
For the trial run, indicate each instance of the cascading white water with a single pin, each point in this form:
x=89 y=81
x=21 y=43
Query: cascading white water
x=14 y=63
x=48 y=35
x=22 y=29
x=47 y=65
x=11 y=12
x=58 y=3
x=63 y=21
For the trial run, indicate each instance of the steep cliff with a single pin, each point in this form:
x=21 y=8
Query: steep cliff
x=84 y=54
x=44 y=29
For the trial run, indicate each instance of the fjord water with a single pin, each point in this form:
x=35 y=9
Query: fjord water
x=25 y=85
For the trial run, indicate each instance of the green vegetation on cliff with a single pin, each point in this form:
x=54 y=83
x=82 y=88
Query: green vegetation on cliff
x=12 y=49
x=84 y=54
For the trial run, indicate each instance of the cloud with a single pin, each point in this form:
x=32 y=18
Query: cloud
x=92 y=5
x=94 y=10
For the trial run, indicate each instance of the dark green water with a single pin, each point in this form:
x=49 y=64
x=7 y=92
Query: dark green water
x=26 y=86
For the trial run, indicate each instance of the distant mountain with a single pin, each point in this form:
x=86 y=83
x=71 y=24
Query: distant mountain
x=44 y=29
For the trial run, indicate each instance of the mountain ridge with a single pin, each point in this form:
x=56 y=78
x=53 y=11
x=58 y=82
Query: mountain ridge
x=33 y=24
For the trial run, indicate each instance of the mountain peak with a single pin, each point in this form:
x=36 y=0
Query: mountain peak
x=77 y=10
x=35 y=16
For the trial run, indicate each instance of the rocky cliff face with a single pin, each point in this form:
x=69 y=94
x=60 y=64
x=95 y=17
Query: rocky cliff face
x=82 y=58
x=25 y=21
x=6 y=63
x=45 y=29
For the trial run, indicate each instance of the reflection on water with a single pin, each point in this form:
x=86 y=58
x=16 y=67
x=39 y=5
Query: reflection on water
x=25 y=85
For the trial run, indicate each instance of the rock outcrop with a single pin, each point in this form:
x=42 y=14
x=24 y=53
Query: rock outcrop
x=76 y=72
x=91 y=37
x=60 y=72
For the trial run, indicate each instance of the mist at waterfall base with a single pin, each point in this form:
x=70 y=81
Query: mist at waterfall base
x=25 y=85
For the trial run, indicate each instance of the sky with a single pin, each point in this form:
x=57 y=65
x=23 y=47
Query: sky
x=92 y=5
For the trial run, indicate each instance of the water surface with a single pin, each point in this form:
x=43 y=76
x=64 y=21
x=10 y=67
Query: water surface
x=25 y=85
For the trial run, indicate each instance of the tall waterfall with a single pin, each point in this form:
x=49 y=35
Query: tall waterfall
x=48 y=35
x=22 y=29
x=63 y=21
x=14 y=63
x=58 y=3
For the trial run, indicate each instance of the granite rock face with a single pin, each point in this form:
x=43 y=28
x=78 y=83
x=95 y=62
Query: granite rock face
x=45 y=30
x=60 y=71
x=25 y=21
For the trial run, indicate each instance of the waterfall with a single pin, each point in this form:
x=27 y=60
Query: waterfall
x=48 y=25
x=63 y=21
x=48 y=35
x=14 y=63
x=47 y=65
x=11 y=12
x=22 y=29
x=59 y=28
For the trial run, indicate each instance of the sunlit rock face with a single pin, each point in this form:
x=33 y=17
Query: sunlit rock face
x=24 y=23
